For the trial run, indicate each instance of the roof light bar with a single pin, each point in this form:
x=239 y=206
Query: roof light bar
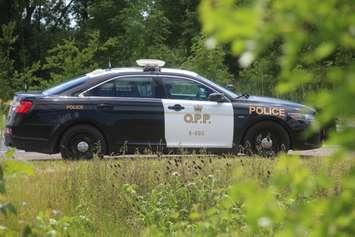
x=150 y=64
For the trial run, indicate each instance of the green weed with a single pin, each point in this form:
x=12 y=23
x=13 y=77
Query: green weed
x=184 y=195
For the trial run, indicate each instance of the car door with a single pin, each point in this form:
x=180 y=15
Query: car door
x=130 y=109
x=191 y=120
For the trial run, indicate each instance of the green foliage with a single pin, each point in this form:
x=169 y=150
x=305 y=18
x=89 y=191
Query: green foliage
x=208 y=60
x=36 y=31
x=3 y=111
x=5 y=208
x=184 y=24
x=105 y=16
x=306 y=47
x=15 y=167
x=169 y=207
x=7 y=40
x=317 y=45
x=68 y=60
x=185 y=196
x=145 y=27
x=45 y=43
x=53 y=224
x=28 y=76
x=292 y=202
x=261 y=76
x=12 y=80
x=9 y=167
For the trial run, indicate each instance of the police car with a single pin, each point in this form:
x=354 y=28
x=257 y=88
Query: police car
x=151 y=107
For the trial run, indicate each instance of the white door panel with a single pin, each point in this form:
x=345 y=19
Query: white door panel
x=201 y=124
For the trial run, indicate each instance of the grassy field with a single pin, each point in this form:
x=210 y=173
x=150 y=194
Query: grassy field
x=178 y=196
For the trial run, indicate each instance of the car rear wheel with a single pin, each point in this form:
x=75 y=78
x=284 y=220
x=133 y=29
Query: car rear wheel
x=82 y=142
x=266 y=139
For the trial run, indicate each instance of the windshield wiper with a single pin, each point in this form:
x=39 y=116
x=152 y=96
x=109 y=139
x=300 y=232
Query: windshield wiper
x=242 y=95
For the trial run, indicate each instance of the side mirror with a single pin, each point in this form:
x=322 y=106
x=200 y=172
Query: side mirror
x=217 y=97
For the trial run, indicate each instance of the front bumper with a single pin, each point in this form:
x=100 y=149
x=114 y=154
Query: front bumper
x=304 y=142
x=302 y=136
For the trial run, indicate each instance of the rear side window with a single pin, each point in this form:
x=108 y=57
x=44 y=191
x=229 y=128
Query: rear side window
x=179 y=88
x=143 y=87
x=66 y=86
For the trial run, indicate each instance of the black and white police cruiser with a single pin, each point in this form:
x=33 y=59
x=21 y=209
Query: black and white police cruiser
x=125 y=109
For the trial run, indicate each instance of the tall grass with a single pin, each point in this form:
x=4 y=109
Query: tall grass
x=124 y=197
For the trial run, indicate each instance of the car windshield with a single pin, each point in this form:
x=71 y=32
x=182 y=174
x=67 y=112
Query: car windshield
x=227 y=92
x=66 y=85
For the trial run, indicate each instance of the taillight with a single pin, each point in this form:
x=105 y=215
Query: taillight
x=8 y=131
x=24 y=107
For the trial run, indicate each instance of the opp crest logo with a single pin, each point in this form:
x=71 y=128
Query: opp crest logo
x=198 y=116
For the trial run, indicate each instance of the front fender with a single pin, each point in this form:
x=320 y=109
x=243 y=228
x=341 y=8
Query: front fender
x=243 y=125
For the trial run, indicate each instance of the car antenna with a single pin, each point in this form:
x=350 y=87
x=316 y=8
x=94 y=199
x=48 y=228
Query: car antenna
x=109 y=63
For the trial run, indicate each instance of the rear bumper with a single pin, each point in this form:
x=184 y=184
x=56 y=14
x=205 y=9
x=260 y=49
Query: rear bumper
x=28 y=144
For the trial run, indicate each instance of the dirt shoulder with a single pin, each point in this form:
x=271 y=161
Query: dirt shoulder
x=22 y=155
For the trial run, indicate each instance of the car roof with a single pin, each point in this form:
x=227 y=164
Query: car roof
x=101 y=72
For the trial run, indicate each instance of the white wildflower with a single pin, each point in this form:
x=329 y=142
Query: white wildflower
x=264 y=222
x=211 y=43
x=246 y=59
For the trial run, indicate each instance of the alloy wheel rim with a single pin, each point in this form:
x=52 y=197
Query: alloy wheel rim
x=82 y=146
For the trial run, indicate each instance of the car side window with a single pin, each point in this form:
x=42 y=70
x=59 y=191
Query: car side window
x=143 y=87
x=180 y=88
x=103 y=90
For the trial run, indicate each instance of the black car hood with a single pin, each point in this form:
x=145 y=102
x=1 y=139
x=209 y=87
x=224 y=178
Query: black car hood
x=267 y=101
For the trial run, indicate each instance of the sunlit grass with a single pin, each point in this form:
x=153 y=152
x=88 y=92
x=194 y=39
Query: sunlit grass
x=100 y=189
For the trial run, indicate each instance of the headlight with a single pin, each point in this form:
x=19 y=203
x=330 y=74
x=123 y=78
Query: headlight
x=302 y=116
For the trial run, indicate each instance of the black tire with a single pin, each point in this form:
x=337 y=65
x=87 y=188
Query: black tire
x=257 y=139
x=82 y=134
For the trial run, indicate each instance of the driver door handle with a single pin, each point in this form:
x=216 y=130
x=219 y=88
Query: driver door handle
x=176 y=107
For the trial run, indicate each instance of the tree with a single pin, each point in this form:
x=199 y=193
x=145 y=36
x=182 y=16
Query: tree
x=261 y=76
x=145 y=30
x=101 y=15
x=208 y=60
x=39 y=26
x=68 y=59
x=184 y=23
x=7 y=40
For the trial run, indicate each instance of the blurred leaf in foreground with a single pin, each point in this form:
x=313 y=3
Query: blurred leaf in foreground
x=317 y=39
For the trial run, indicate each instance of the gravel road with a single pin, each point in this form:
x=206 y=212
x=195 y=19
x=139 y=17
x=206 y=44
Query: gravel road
x=22 y=155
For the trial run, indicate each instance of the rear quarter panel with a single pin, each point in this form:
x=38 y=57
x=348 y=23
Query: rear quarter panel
x=50 y=116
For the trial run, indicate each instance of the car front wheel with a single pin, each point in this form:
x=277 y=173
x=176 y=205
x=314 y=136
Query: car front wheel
x=266 y=139
x=82 y=142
